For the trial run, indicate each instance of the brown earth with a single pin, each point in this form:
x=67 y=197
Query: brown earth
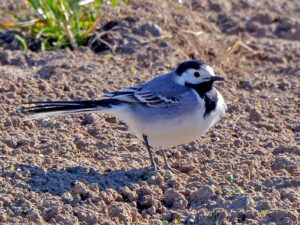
x=91 y=169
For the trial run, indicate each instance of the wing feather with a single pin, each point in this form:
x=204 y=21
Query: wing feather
x=138 y=95
x=162 y=91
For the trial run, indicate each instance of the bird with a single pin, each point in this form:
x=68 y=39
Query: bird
x=172 y=109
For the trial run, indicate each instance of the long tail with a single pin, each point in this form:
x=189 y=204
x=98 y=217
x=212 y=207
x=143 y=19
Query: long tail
x=58 y=108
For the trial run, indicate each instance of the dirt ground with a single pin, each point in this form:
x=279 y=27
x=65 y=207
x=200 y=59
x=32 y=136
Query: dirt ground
x=92 y=170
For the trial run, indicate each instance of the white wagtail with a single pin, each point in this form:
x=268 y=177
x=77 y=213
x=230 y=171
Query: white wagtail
x=170 y=110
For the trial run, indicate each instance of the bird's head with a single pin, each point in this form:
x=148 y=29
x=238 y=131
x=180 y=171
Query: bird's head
x=195 y=73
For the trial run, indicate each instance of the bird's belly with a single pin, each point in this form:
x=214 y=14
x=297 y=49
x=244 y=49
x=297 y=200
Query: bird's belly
x=168 y=131
x=180 y=134
x=181 y=130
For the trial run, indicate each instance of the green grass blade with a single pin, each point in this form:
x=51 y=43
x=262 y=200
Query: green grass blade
x=34 y=4
x=75 y=9
x=23 y=42
x=114 y=2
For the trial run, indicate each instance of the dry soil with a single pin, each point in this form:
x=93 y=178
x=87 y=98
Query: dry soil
x=92 y=170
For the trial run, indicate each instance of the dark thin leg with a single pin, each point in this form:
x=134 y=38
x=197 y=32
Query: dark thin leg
x=150 y=153
x=167 y=165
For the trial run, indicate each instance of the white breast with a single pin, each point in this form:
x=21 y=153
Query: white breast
x=183 y=130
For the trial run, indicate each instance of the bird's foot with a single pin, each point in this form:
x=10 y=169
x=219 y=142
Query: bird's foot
x=168 y=167
x=155 y=170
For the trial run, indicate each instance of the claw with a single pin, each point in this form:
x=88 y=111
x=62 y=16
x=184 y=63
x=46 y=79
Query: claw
x=167 y=165
x=156 y=168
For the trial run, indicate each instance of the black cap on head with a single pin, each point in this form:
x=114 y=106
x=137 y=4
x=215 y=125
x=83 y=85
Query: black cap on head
x=191 y=64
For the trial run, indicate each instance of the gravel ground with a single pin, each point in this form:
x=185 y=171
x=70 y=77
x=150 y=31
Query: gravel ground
x=90 y=169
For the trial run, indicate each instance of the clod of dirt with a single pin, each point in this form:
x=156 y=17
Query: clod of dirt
x=128 y=195
x=288 y=29
x=47 y=72
x=86 y=216
x=282 y=216
x=203 y=194
x=66 y=218
x=4 y=58
x=109 y=195
x=287 y=149
x=153 y=29
x=290 y=194
x=255 y=115
x=283 y=86
x=238 y=143
x=174 y=199
x=34 y=216
x=281 y=162
x=82 y=145
x=297 y=128
x=123 y=212
x=263 y=205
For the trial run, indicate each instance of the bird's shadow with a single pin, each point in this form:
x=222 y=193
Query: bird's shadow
x=59 y=181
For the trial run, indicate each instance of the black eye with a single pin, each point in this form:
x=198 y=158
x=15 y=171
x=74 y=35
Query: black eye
x=197 y=74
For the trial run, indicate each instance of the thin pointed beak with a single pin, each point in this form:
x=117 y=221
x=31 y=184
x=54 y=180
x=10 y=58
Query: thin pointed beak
x=215 y=78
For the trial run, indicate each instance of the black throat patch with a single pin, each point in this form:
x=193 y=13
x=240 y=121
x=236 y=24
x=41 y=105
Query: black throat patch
x=206 y=92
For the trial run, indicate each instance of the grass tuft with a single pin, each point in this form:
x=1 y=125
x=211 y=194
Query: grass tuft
x=57 y=23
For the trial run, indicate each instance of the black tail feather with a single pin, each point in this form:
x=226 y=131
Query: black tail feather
x=53 y=108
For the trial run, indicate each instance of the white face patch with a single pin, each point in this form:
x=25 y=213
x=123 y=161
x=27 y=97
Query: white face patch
x=210 y=70
x=188 y=76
